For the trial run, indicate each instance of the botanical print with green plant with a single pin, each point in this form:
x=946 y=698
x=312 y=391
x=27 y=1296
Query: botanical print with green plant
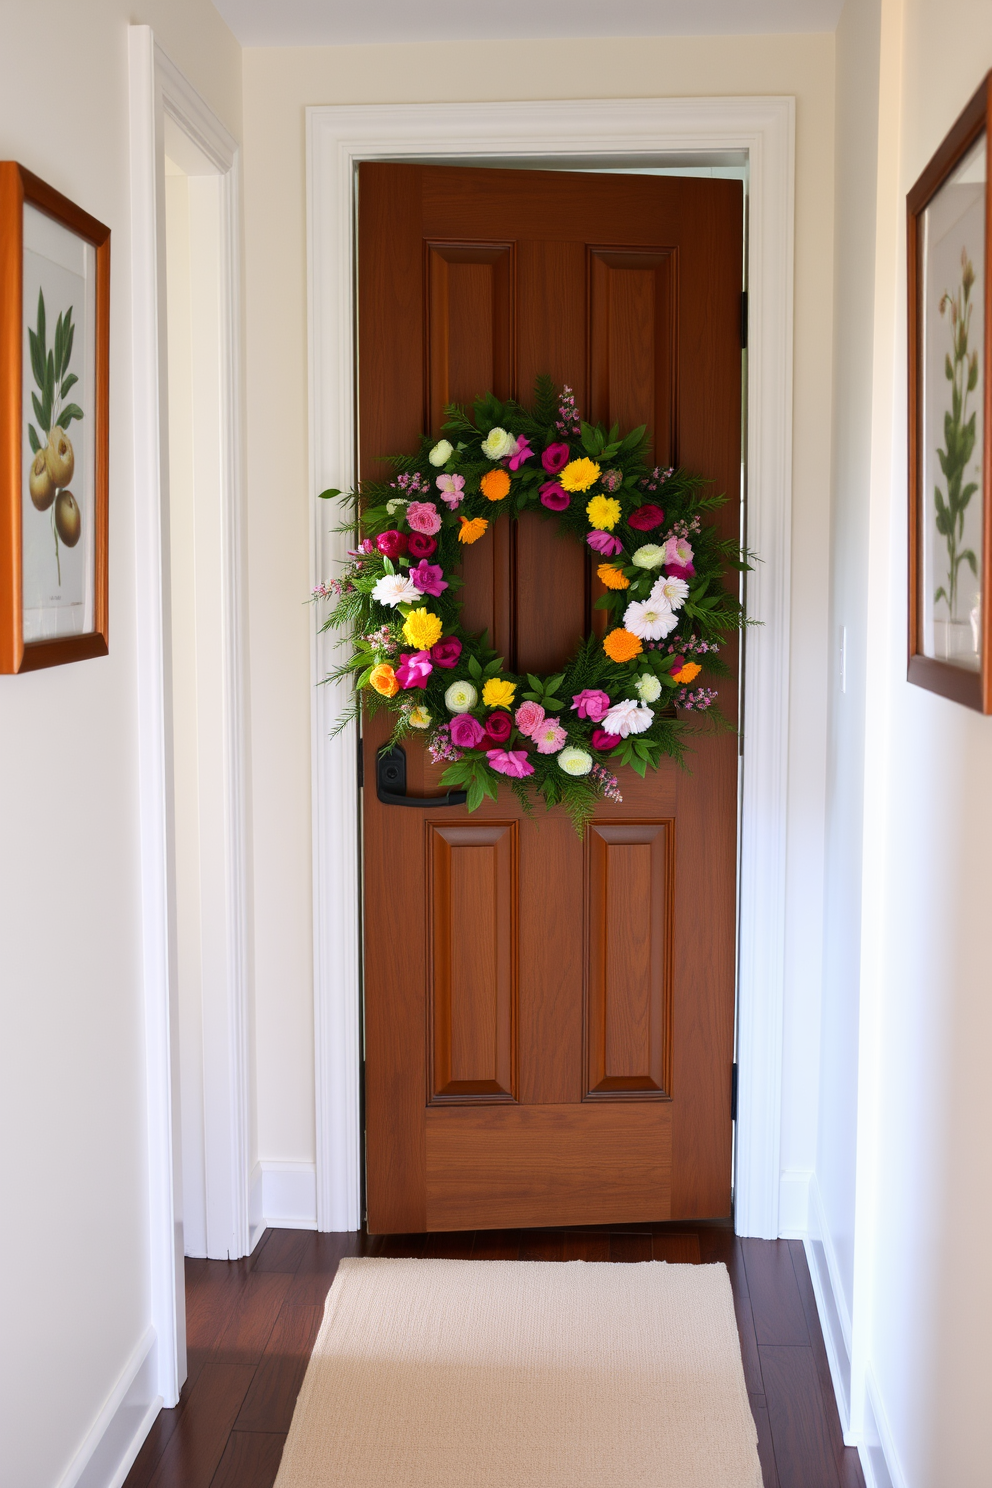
x=961 y=371
x=54 y=461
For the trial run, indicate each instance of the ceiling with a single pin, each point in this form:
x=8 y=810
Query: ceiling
x=347 y=22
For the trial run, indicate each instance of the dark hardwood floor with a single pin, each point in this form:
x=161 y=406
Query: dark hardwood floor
x=251 y=1325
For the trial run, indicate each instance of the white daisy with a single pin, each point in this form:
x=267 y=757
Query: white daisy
x=628 y=717
x=395 y=589
x=650 y=619
x=674 y=592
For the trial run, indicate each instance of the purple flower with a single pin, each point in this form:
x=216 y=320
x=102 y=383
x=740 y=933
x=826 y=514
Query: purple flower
x=466 y=731
x=414 y=669
x=522 y=452
x=428 y=577
x=555 y=458
x=510 y=762
x=590 y=703
x=419 y=546
x=554 y=497
x=446 y=652
x=605 y=543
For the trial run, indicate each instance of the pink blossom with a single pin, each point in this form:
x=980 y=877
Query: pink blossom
x=550 y=737
x=522 y=452
x=423 y=516
x=590 y=703
x=510 y=762
x=605 y=543
x=466 y=731
x=452 y=488
x=678 y=551
x=414 y=669
x=529 y=717
x=555 y=458
x=554 y=497
x=428 y=577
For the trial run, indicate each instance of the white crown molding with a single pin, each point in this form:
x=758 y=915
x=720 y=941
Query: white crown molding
x=637 y=131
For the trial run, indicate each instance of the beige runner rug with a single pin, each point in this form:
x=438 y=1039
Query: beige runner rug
x=521 y=1374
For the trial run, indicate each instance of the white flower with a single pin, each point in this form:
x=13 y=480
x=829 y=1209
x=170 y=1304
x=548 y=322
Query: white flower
x=575 y=761
x=460 y=697
x=441 y=453
x=674 y=592
x=396 y=507
x=419 y=718
x=649 y=556
x=498 y=444
x=627 y=718
x=396 y=589
x=650 y=619
x=648 y=687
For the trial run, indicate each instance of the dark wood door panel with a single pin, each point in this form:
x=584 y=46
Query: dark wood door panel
x=468 y=285
x=633 y=342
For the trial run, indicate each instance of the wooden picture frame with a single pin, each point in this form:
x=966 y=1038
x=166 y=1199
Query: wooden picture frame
x=54 y=369
x=949 y=247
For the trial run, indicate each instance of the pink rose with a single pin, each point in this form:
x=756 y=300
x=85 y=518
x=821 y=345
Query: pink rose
x=367 y=545
x=419 y=546
x=646 y=517
x=510 y=762
x=446 y=652
x=423 y=516
x=550 y=737
x=555 y=458
x=590 y=703
x=553 y=497
x=602 y=740
x=452 y=488
x=391 y=544
x=530 y=716
x=498 y=727
x=428 y=577
x=522 y=452
x=466 y=731
x=605 y=543
x=414 y=669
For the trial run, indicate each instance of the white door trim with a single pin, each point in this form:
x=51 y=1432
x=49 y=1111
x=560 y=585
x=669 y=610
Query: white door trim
x=157 y=90
x=629 y=132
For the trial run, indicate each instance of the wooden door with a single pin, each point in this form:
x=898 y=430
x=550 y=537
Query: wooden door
x=549 y=1020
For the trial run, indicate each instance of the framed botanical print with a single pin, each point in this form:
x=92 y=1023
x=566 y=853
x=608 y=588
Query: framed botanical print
x=950 y=415
x=54 y=425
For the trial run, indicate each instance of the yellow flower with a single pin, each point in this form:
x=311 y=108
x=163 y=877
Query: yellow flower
x=420 y=718
x=611 y=577
x=603 y=512
x=422 y=629
x=383 y=679
x=498 y=693
x=495 y=485
x=579 y=475
x=622 y=645
x=472 y=530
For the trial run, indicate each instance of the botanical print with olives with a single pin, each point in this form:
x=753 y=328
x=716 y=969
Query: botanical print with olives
x=54 y=460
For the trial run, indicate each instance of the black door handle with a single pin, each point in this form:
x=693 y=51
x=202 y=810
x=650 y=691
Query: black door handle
x=390 y=784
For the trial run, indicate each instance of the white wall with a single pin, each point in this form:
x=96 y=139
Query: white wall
x=278 y=84
x=73 y=1242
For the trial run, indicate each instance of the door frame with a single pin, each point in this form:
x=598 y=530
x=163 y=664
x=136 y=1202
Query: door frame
x=622 y=132
x=158 y=90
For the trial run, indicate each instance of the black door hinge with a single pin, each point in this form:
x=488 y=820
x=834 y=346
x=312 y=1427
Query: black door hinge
x=743 y=319
x=361 y=763
x=733 y=1092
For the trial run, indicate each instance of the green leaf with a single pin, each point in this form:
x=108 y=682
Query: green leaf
x=633 y=439
x=70 y=382
x=553 y=702
x=67 y=352
x=554 y=682
x=69 y=412
x=59 y=345
x=494 y=667
x=389 y=565
x=37 y=359
x=39 y=413
x=535 y=682
x=475 y=669
x=476 y=795
x=327 y=495
x=41 y=323
x=33 y=439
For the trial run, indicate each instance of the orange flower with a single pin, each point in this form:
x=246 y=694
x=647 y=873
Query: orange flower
x=472 y=530
x=611 y=577
x=495 y=484
x=622 y=645
x=686 y=672
x=383 y=679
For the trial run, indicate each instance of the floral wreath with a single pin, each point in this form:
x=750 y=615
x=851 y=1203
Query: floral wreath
x=619 y=699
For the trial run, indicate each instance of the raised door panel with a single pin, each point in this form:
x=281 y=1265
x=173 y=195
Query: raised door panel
x=629 y=898
x=472 y=975
x=633 y=342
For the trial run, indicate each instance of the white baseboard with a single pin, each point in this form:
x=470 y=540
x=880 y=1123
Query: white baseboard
x=283 y=1196
x=114 y=1440
x=831 y=1304
x=879 y=1458
x=793 y=1204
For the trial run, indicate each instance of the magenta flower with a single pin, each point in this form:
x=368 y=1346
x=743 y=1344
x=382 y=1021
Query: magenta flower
x=554 y=497
x=391 y=544
x=679 y=571
x=446 y=652
x=423 y=516
x=428 y=577
x=604 y=542
x=510 y=762
x=414 y=669
x=591 y=703
x=419 y=546
x=499 y=727
x=549 y=737
x=646 y=518
x=555 y=458
x=452 y=488
x=530 y=716
x=466 y=731
x=602 y=740
x=366 y=545
x=522 y=452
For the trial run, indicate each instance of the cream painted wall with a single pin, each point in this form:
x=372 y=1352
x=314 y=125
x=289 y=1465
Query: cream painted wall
x=73 y=1244
x=278 y=84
